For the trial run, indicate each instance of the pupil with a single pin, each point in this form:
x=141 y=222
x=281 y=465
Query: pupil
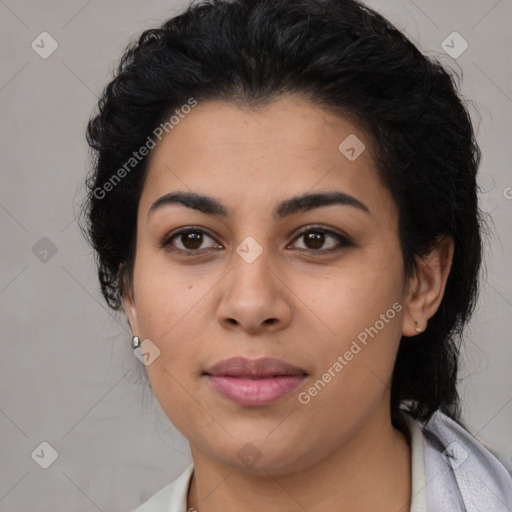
x=316 y=239
x=194 y=237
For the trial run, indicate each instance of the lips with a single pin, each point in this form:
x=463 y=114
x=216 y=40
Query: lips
x=254 y=382
x=254 y=368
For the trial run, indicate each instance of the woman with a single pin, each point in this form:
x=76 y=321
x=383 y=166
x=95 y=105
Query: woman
x=284 y=204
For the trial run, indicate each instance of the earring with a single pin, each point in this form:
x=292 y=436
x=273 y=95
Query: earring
x=135 y=342
x=418 y=329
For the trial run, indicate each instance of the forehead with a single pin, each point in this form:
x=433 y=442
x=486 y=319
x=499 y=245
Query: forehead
x=289 y=124
x=253 y=157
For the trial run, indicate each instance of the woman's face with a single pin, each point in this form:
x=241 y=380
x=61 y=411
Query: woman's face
x=259 y=280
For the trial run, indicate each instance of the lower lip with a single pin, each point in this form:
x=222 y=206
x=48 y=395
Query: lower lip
x=255 y=392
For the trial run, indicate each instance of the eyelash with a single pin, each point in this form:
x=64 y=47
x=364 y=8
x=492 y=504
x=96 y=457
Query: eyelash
x=343 y=240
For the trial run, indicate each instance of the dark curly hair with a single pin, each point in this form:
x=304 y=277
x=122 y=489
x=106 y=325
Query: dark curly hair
x=347 y=58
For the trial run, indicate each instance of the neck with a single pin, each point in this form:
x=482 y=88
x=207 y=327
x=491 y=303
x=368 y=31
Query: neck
x=369 y=473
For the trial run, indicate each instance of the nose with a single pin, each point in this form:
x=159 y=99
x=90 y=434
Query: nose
x=255 y=296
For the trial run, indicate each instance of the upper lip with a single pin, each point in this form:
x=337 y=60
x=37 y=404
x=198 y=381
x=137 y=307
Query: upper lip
x=262 y=367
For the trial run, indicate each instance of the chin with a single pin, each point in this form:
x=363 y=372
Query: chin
x=259 y=453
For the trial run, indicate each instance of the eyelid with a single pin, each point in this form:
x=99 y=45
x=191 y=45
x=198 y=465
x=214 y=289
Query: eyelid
x=166 y=241
x=343 y=239
x=322 y=228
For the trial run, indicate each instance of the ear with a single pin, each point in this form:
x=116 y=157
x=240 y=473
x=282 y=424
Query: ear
x=129 y=300
x=425 y=289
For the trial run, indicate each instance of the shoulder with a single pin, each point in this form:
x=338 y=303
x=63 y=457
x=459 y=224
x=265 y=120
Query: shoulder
x=461 y=470
x=172 y=497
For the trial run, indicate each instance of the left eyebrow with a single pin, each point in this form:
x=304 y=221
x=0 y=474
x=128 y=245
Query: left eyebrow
x=300 y=203
x=306 y=202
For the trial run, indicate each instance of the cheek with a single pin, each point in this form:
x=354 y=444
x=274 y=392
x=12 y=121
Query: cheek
x=169 y=313
x=165 y=294
x=350 y=297
x=354 y=372
x=359 y=314
x=173 y=312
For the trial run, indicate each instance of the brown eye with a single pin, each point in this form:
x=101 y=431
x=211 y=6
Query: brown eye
x=314 y=240
x=190 y=240
x=315 y=237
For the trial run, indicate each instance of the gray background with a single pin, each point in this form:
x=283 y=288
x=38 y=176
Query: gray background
x=67 y=374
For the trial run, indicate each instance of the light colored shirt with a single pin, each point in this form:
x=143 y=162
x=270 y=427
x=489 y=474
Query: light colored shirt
x=451 y=471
